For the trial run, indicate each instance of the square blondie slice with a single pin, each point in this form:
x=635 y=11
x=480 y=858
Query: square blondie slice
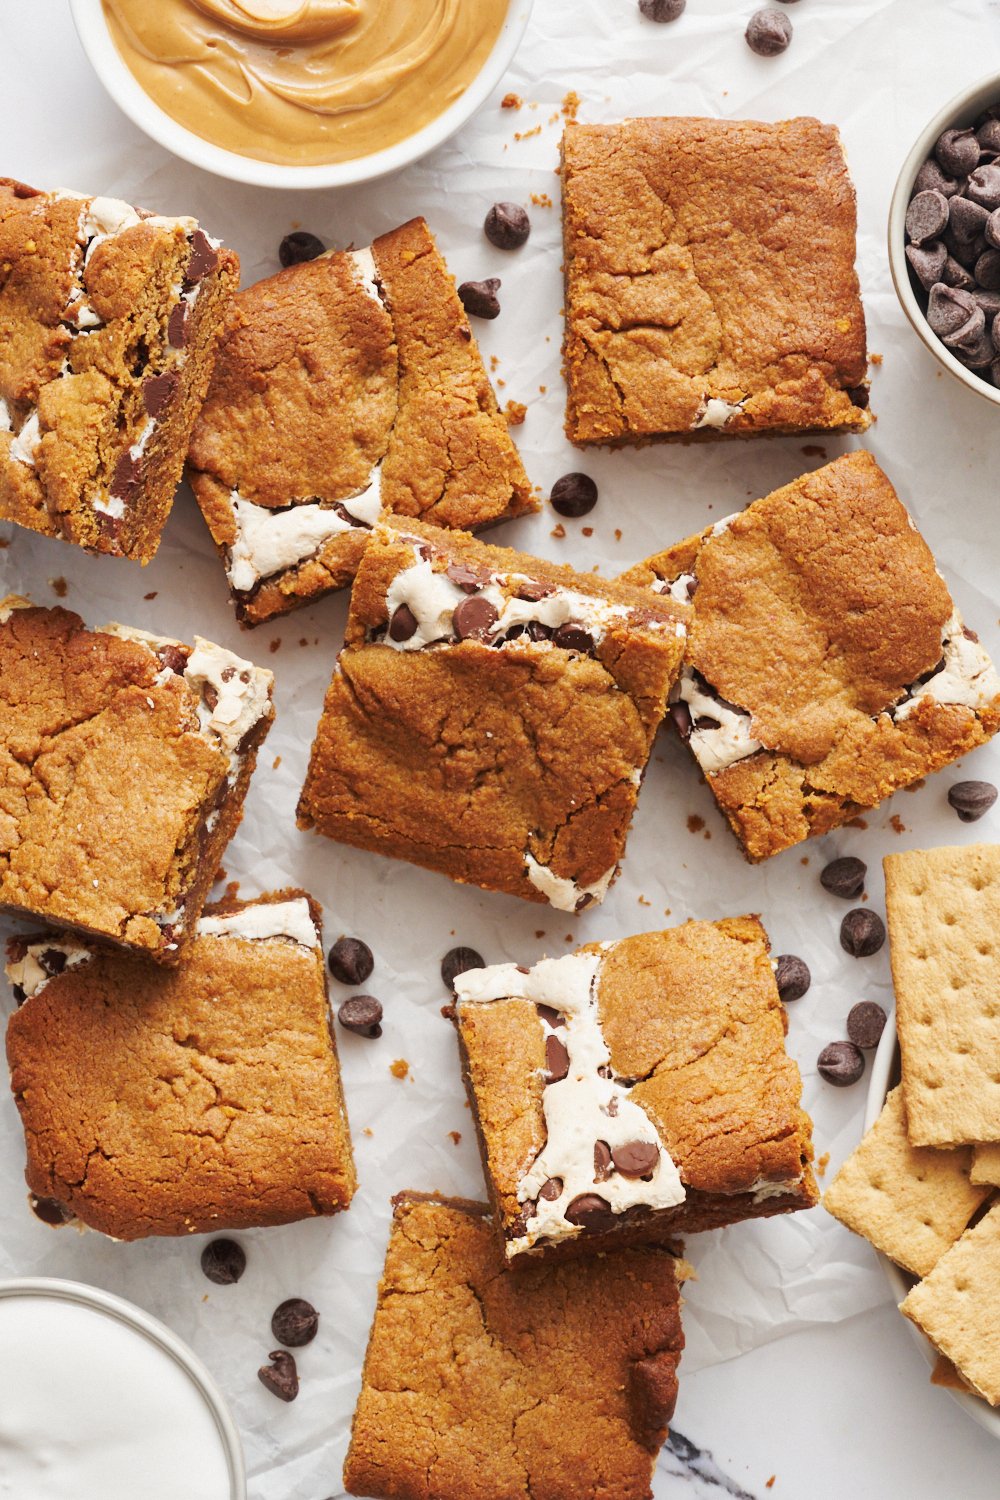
x=295 y=455
x=491 y=715
x=109 y=320
x=634 y=1090
x=186 y=1100
x=955 y=1306
x=477 y=1385
x=125 y=759
x=827 y=665
x=710 y=281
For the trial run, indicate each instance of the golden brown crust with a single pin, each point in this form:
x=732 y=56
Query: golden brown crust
x=466 y=758
x=710 y=259
x=815 y=611
x=479 y=1385
x=181 y=1101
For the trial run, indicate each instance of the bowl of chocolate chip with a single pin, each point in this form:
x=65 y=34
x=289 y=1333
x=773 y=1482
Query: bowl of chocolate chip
x=300 y=93
x=944 y=237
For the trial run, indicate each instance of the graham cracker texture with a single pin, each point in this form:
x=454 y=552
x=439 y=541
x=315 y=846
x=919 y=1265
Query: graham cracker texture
x=955 y=1306
x=943 y=908
x=986 y=1165
x=911 y=1203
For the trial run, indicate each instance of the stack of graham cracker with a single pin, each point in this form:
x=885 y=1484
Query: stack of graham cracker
x=918 y=1185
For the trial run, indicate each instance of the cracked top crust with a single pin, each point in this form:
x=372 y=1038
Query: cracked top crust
x=711 y=288
x=178 y=1101
x=355 y=368
x=692 y=1017
x=117 y=763
x=511 y=761
x=478 y=1384
x=821 y=623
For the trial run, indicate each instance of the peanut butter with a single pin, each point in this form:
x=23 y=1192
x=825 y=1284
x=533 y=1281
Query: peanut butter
x=303 y=82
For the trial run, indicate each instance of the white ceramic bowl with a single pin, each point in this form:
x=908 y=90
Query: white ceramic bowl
x=144 y=1327
x=962 y=110
x=129 y=95
x=885 y=1076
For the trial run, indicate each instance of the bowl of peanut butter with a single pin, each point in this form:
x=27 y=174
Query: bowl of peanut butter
x=300 y=93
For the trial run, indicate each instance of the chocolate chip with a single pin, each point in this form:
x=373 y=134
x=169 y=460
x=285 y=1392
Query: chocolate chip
x=602 y=1161
x=987 y=270
x=127 y=480
x=403 y=624
x=972 y=799
x=636 y=1158
x=479 y=298
x=841 y=1063
x=551 y=1189
x=574 y=495
x=681 y=716
x=362 y=1014
x=158 y=391
x=988 y=301
x=969 y=333
x=473 y=618
x=983 y=186
x=768 y=33
x=295 y=1323
x=927 y=216
x=223 y=1261
x=844 y=877
x=966 y=219
x=469 y=580
x=177 y=335
x=662 y=10
x=459 y=961
x=978 y=353
x=865 y=1024
x=931 y=176
x=351 y=961
x=532 y=591
x=203 y=258
x=928 y=262
x=549 y=1014
x=298 y=247
x=862 y=932
x=948 y=308
x=19 y=994
x=50 y=1211
x=988 y=135
x=281 y=1376
x=588 y=1211
x=957 y=276
x=556 y=1060
x=210 y=696
x=507 y=226
x=792 y=977
x=52 y=960
x=958 y=151
x=573 y=638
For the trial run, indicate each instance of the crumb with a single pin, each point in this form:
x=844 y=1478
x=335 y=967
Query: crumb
x=822 y=1164
x=814 y=450
x=456 y=1136
x=553 y=119
x=804 y=860
x=368 y=1131
x=400 y=1068
x=511 y=101
x=5 y=543
x=515 y=412
x=448 y=1011
x=618 y=533
x=915 y=786
x=152 y=595
x=232 y=891
x=568 y=938
x=695 y=823
x=857 y=823
x=770 y=1483
x=542 y=389
x=276 y=763
x=558 y=531
x=494 y=362
x=525 y=135
x=644 y=902
x=875 y=359
x=220 y=874
x=501 y=383
x=275 y=645
x=59 y=587
x=896 y=824
x=587 y=530
x=666 y=911
x=571 y=104
x=541 y=200
x=707 y=834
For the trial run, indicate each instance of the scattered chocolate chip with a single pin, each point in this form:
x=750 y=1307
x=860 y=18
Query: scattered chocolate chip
x=127 y=480
x=361 y=1014
x=469 y=580
x=459 y=961
x=841 y=1063
x=573 y=638
x=223 y=1261
x=602 y=1161
x=177 y=326
x=588 y=1211
x=552 y=1016
x=862 y=932
x=295 y=1323
x=768 y=33
x=473 y=618
x=958 y=151
x=479 y=298
x=574 y=495
x=636 y=1158
x=298 y=247
x=204 y=258
x=551 y=1189
x=927 y=216
x=50 y=1211
x=792 y=977
x=844 y=877
x=403 y=624
x=158 y=391
x=972 y=799
x=507 y=226
x=556 y=1060
x=662 y=10
x=351 y=961
x=280 y=1377
x=865 y=1024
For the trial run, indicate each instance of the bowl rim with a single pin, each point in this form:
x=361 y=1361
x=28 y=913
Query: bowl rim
x=60 y=1289
x=961 y=109
x=128 y=94
x=885 y=1063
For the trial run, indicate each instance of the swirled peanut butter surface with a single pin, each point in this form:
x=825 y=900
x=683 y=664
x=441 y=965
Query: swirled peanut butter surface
x=302 y=82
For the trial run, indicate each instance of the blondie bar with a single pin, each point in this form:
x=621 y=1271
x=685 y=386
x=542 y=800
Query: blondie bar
x=491 y=715
x=175 y=1101
x=109 y=319
x=635 y=1090
x=710 y=282
x=477 y=1384
x=345 y=385
x=826 y=664
x=125 y=759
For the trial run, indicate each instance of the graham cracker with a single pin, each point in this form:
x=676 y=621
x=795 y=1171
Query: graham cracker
x=955 y=1306
x=943 y=907
x=986 y=1165
x=911 y=1202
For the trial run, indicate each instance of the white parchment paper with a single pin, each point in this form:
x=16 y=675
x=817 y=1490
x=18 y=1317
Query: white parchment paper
x=878 y=69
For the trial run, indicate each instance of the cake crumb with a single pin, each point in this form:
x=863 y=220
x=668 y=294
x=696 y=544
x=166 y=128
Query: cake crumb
x=400 y=1068
x=618 y=533
x=822 y=1164
x=695 y=823
x=368 y=1131
x=875 y=359
x=303 y=641
x=558 y=531
x=456 y=1136
x=494 y=362
x=571 y=105
x=511 y=101
x=770 y=1483
x=4 y=543
x=896 y=824
x=59 y=587
x=644 y=902
x=541 y=200
x=515 y=412
x=804 y=860
x=275 y=645
x=151 y=595
x=814 y=450
x=587 y=530
x=539 y=933
x=276 y=763
x=220 y=874
x=525 y=135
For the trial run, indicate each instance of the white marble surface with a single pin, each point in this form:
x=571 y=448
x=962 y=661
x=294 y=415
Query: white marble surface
x=829 y=1393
